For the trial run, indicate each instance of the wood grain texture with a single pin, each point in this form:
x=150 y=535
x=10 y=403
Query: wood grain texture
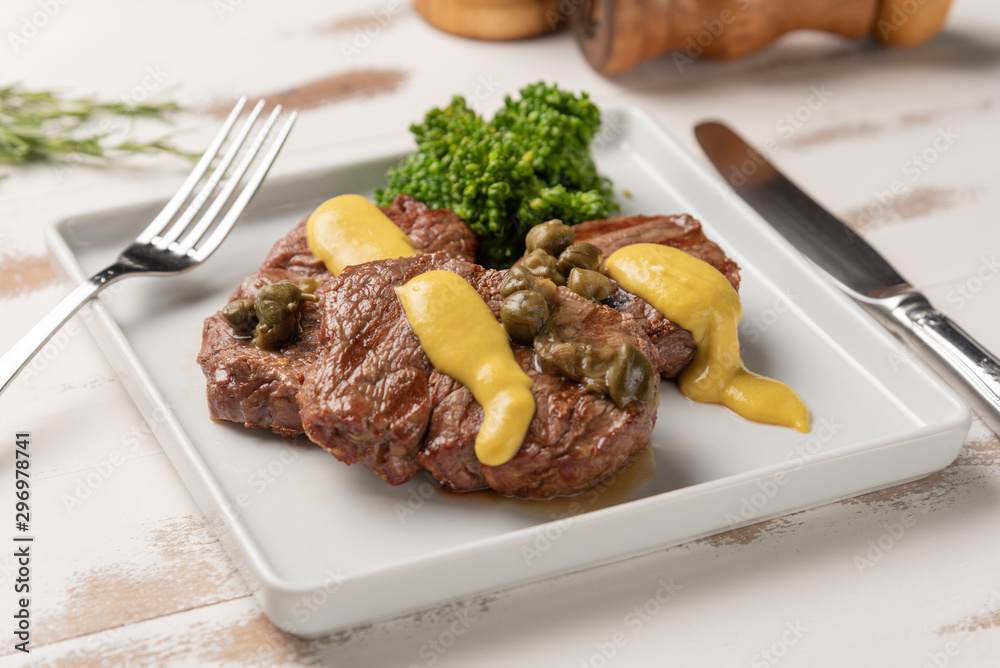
x=616 y=35
x=20 y=275
x=491 y=19
x=131 y=578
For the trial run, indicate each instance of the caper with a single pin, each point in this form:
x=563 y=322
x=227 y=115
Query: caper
x=540 y=263
x=241 y=316
x=557 y=353
x=545 y=288
x=283 y=292
x=523 y=314
x=308 y=287
x=278 y=308
x=594 y=362
x=583 y=255
x=631 y=377
x=518 y=278
x=552 y=237
x=277 y=334
x=589 y=284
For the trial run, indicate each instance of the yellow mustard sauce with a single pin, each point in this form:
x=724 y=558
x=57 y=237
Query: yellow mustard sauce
x=696 y=296
x=463 y=339
x=349 y=230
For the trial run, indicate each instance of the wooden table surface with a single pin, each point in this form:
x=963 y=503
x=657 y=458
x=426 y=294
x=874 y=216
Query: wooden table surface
x=125 y=570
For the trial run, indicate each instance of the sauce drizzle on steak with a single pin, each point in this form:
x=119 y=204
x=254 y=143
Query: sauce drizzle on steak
x=359 y=384
x=373 y=396
x=258 y=387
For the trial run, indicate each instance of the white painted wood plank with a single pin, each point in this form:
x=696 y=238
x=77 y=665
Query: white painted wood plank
x=131 y=577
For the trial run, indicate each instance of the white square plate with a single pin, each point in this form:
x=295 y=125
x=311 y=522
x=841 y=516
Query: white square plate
x=328 y=547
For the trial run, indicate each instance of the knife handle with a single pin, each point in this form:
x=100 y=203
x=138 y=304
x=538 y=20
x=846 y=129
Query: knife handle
x=976 y=366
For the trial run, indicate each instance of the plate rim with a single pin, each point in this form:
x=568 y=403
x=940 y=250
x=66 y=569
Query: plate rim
x=251 y=558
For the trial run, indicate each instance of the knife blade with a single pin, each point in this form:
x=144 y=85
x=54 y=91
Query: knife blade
x=856 y=268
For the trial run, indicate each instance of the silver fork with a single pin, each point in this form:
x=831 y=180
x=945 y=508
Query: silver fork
x=172 y=244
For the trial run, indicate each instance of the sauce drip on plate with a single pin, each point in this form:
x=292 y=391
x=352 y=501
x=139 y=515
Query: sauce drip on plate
x=696 y=296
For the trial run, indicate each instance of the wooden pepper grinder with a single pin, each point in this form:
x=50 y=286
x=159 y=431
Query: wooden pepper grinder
x=616 y=35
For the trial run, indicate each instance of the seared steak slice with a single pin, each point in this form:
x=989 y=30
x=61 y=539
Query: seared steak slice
x=258 y=387
x=674 y=344
x=254 y=386
x=680 y=231
x=433 y=230
x=374 y=397
x=367 y=398
x=575 y=439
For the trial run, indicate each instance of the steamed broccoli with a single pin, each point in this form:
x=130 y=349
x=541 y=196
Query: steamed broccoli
x=530 y=164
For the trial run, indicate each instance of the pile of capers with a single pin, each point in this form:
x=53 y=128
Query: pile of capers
x=624 y=373
x=553 y=259
x=272 y=319
x=553 y=254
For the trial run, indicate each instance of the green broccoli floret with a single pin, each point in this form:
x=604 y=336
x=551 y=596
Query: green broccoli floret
x=530 y=164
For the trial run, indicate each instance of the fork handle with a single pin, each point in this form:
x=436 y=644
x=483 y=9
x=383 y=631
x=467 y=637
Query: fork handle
x=18 y=357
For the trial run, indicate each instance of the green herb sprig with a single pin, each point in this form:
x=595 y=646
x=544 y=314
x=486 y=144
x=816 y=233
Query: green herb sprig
x=529 y=164
x=44 y=126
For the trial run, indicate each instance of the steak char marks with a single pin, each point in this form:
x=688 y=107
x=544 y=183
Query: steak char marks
x=357 y=381
x=258 y=387
x=373 y=396
x=674 y=345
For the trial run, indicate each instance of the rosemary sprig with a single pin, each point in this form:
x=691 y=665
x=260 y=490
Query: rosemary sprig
x=41 y=125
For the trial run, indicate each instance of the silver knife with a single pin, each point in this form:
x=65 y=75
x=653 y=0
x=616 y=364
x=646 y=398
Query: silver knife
x=856 y=268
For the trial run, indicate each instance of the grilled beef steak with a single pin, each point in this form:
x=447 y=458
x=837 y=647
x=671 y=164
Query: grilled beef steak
x=252 y=385
x=258 y=387
x=373 y=396
x=358 y=382
x=674 y=345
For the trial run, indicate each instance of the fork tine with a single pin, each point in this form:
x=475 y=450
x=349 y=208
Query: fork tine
x=232 y=180
x=168 y=211
x=253 y=183
x=177 y=228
